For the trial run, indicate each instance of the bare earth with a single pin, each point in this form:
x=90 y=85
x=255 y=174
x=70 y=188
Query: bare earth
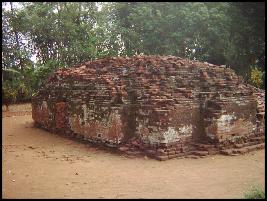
x=38 y=164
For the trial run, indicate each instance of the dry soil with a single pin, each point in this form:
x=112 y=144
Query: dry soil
x=38 y=164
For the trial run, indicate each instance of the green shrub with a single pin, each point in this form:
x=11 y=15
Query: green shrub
x=256 y=77
x=255 y=192
x=9 y=94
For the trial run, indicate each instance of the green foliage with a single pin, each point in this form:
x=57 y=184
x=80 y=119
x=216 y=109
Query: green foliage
x=9 y=93
x=255 y=192
x=256 y=77
x=42 y=71
x=220 y=33
x=61 y=34
x=15 y=88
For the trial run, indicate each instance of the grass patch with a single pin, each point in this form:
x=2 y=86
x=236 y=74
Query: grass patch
x=255 y=192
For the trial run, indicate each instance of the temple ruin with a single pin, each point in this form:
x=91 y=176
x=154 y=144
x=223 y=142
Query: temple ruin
x=162 y=106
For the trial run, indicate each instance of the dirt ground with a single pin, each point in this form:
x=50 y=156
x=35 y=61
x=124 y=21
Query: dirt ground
x=38 y=164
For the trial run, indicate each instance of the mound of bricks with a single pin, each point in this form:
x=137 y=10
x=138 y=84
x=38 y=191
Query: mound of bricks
x=161 y=106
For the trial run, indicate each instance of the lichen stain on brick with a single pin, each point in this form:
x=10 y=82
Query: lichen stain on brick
x=186 y=130
x=114 y=128
x=171 y=135
x=109 y=130
x=225 y=123
x=164 y=105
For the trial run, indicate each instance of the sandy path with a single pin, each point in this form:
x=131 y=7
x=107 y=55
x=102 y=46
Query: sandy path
x=38 y=164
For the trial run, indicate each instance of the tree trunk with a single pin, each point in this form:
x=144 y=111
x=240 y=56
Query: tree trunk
x=17 y=38
x=7 y=109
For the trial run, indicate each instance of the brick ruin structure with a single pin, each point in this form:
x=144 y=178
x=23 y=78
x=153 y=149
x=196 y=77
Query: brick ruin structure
x=162 y=106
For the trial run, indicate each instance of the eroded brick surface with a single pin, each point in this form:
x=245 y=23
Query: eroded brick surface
x=164 y=106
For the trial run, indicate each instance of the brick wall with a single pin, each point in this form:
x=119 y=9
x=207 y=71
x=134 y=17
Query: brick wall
x=168 y=104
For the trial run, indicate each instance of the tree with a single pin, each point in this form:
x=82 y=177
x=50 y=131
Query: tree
x=62 y=34
x=231 y=34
